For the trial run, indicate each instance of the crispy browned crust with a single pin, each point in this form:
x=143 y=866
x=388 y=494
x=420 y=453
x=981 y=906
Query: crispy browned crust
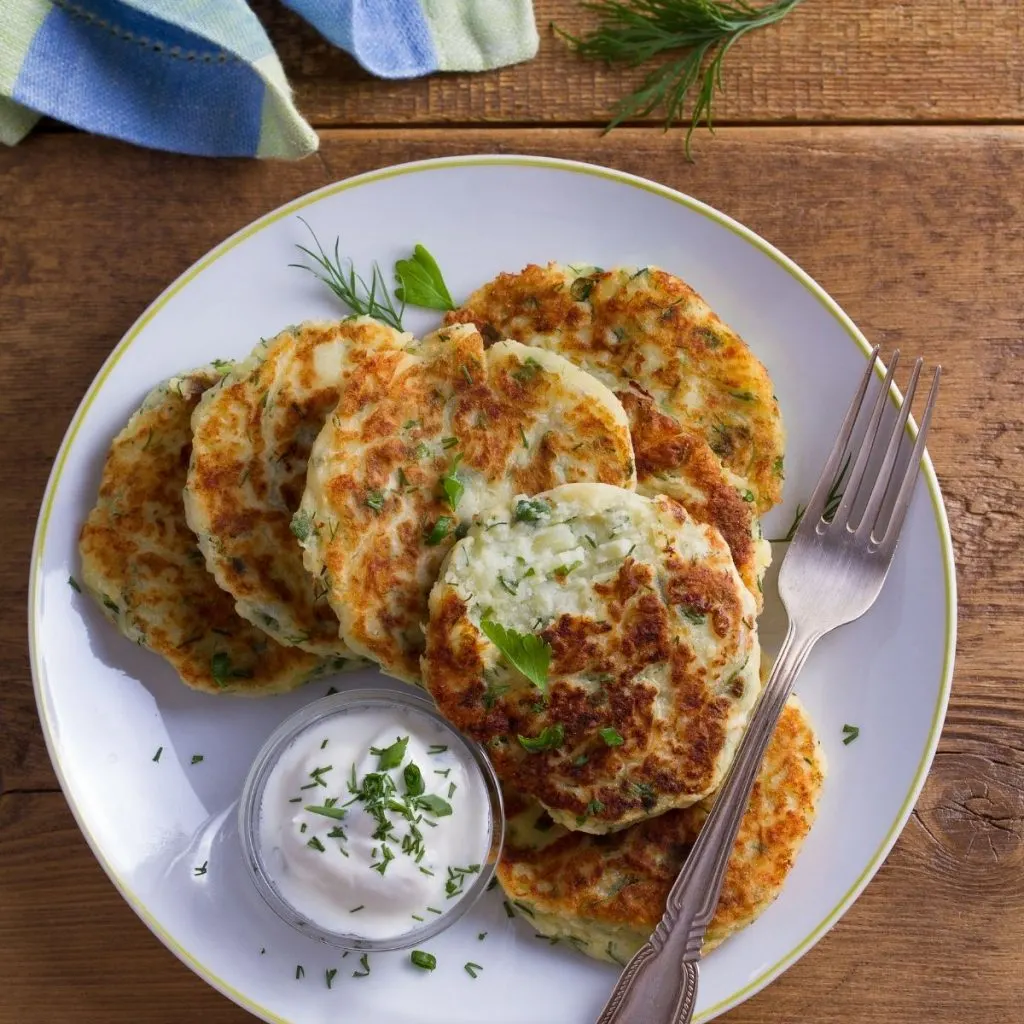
x=653 y=329
x=140 y=561
x=621 y=881
x=665 y=450
x=458 y=402
x=601 y=675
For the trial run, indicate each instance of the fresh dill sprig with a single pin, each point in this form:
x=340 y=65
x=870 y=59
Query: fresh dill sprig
x=691 y=37
x=832 y=502
x=339 y=274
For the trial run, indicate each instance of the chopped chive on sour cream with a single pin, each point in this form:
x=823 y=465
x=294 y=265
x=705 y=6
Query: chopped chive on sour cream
x=371 y=822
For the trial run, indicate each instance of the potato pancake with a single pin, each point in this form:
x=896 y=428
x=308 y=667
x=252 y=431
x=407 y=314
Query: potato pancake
x=605 y=895
x=142 y=565
x=252 y=438
x=603 y=647
x=394 y=481
x=678 y=370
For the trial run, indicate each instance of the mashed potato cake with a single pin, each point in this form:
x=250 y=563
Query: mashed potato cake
x=252 y=438
x=678 y=462
x=142 y=565
x=603 y=647
x=393 y=482
x=677 y=369
x=605 y=895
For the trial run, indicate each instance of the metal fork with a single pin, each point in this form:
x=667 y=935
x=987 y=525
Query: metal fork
x=831 y=575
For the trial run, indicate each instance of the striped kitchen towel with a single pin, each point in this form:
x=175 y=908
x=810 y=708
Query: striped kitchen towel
x=201 y=76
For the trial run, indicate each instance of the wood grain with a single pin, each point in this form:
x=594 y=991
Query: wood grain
x=916 y=231
x=887 y=960
x=828 y=60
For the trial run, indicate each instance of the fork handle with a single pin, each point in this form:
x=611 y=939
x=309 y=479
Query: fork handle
x=659 y=984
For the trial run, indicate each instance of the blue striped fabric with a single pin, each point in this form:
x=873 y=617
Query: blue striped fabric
x=201 y=76
x=391 y=40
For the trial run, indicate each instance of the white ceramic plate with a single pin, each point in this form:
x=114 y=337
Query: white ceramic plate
x=106 y=706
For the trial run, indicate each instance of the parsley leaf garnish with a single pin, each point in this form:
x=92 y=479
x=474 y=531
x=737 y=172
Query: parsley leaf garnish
x=551 y=737
x=528 y=653
x=561 y=571
x=413 y=780
x=439 y=530
x=435 y=805
x=391 y=757
x=451 y=484
x=531 y=510
x=611 y=736
x=420 y=958
x=528 y=369
x=493 y=693
x=421 y=282
x=223 y=673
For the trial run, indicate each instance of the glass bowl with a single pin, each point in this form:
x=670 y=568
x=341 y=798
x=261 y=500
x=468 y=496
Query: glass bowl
x=309 y=717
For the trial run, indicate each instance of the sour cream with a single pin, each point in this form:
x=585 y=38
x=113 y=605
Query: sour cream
x=372 y=822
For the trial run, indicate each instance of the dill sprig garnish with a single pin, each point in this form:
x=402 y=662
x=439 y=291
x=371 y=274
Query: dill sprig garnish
x=339 y=274
x=693 y=35
x=832 y=503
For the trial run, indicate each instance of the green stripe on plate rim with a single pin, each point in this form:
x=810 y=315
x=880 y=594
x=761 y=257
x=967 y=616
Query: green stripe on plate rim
x=574 y=167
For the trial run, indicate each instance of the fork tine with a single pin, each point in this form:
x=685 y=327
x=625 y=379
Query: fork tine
x=887 y=469
x=816 y=502
x=867 y=446
x=899 y=509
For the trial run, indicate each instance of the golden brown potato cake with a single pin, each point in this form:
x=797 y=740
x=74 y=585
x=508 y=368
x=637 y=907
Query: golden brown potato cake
x=141 y=562
x=603 y=647
x=678 y=370
x=392 y=483
x=252 y=438
x=606 y=894
x=677 y=462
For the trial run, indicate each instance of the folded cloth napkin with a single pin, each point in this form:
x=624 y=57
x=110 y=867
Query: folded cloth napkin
x=201 y=76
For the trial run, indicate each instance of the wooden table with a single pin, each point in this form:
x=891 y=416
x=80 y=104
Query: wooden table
x=880 y=145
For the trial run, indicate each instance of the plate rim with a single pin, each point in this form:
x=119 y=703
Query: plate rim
x=768 y=974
